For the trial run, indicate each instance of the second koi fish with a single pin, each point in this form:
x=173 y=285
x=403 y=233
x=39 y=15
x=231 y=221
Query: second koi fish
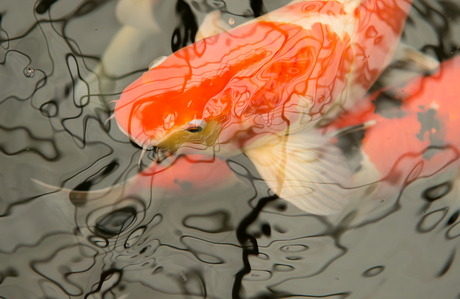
x=405 y=133
x=262 y=87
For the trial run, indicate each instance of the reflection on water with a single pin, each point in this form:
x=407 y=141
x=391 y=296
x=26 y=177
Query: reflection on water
x=78 y=219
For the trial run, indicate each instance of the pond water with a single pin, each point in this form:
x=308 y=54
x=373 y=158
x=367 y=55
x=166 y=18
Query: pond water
x=74 y=225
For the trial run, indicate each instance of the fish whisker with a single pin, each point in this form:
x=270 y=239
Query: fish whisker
x=144 y=150
x=110 y=118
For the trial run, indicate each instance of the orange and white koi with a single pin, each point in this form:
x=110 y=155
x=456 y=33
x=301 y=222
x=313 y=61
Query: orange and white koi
x=262 y=87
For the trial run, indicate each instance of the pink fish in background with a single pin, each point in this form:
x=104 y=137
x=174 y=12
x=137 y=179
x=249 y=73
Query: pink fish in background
x=262 y=89
x=414 y=135
x=185 y=175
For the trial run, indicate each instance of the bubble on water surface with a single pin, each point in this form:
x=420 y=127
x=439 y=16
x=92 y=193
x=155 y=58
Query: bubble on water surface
x=29 y=72
x=54 y=133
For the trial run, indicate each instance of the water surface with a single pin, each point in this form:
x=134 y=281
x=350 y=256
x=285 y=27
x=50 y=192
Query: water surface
x=232 y=240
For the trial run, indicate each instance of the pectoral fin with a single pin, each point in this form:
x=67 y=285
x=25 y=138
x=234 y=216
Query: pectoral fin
x=305 y=169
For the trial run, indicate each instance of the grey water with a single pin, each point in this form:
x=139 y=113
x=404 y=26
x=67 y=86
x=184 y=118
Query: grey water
x=67 y=231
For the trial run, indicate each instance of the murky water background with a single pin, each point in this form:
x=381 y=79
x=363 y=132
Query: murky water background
x=56 y=241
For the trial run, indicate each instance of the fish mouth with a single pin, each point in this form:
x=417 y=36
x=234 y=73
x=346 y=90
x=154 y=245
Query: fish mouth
x=160 y=154
x=184 y=142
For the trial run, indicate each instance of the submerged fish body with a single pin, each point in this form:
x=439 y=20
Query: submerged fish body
x=263 y=87
x=184 y=176
x=412 y=136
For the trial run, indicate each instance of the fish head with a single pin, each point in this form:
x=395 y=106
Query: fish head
x=203 y=94
x=170 y=108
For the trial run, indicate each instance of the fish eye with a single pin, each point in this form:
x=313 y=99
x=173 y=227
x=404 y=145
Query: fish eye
x=195 y=126
x=195 y=129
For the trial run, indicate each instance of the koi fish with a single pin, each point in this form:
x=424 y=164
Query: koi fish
x=183 y=177
x=263 y=87
x=411 y=136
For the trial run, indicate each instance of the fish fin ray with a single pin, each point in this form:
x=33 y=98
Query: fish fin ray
x=306 y=170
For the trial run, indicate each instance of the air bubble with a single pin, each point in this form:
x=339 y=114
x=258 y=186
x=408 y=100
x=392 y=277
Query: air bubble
x=29 y=72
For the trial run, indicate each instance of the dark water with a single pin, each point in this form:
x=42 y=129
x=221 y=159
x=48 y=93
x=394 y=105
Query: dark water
x=56 y=241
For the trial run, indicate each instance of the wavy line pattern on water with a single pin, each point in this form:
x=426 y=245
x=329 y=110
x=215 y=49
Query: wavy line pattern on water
x=72 y=227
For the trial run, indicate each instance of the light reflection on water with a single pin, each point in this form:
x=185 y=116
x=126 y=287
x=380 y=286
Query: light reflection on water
x=231 y=240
